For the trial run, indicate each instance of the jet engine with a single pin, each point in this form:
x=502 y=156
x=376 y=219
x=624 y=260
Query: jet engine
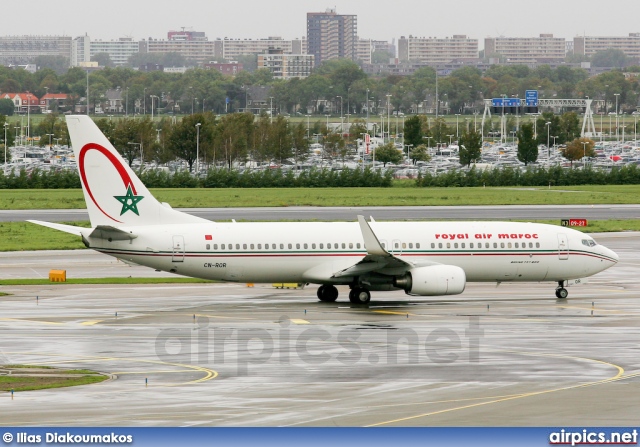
x=433 y=280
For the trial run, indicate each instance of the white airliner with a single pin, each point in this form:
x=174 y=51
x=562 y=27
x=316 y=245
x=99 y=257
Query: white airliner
x=421 y=258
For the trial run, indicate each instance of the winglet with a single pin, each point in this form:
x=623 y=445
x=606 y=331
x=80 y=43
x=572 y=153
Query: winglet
x=371 y=242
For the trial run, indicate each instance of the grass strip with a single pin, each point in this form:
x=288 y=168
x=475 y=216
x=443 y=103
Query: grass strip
x=404 y=193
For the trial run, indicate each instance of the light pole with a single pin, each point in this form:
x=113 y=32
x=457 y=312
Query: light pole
x=152 y=96
x=197 y=147
x=49 y=135
x=457 y=127
x=428 y=142
x=367 y=110
x=126 y=103
x=450 y=138
x=5 y=143
x=341 y=129
x=616 y=95
x=327 y=123
x=144 y=101
x=308 y=116
x=584 y=151
x=548 y=124
x=271 y=109
x=388 y=116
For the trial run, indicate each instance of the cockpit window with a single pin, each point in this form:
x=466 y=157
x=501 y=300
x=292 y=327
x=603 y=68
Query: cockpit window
x=589 y=242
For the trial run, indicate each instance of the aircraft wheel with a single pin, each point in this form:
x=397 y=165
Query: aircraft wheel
x=562 y=293
x=359 y=296
x=327 y=293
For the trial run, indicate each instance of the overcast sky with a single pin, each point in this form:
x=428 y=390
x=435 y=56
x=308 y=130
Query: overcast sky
x=377 y=19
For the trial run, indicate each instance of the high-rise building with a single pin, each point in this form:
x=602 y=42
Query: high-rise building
x=80 y=50
x=366 y=47
x=589 y=45
x=432 y=50
x=526 y=50
x=20 y=50
x=330 y=35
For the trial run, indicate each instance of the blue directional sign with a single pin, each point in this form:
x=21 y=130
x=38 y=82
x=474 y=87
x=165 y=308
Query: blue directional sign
x=531 y=98
x=506 y=102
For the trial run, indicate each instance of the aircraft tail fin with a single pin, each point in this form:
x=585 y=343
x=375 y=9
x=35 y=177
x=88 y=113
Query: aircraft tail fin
x=114 y=194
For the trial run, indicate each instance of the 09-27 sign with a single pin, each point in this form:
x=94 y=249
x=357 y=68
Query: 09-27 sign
x=573 y=222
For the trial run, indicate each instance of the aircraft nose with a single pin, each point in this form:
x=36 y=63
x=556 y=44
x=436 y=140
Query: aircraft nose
x=611 y=254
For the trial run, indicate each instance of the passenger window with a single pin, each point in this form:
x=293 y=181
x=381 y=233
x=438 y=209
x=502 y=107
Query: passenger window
x=517 y=245
x=358 y=245
x=290 y=246
x=404 y=245
x=418 y=245
x=237 y=246
x=439 y=244
x=455 y=245
x=335 y=246
x=537 y=244
x=344 y=245
x=486 y=245
x=501 y=244
x=251 y=246
x=462 y=245
x=433 y=245
x=350 y=244
x=208 y=247
x=222 y=246
x=495 y=245
x=281 y=246
x=509 y=244
x=321 y=246
x=215 y=246
x=384 y=244
x=313 y=246
x=396 y=245
x=448 y=244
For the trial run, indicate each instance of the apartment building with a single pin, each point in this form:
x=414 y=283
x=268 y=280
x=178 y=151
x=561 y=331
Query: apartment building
x=193 y=45
x=589 y=45
x=526 y=50
x=286 y=66
x=433 y=50
x=331 y=35
x=366 y=47
x=230 y=49
x=20 y=50
x=119 y=50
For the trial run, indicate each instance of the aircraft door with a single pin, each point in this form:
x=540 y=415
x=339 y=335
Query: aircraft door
x=563 y=246
x=178 y=249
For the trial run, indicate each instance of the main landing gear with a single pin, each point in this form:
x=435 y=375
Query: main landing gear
x=357 y=295
x=327 y=293
x=561 y=292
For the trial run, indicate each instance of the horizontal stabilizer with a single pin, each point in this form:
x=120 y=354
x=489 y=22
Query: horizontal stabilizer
x=112 y=233
x=60 y=227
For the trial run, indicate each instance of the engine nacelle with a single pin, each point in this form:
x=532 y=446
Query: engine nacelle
x=434 y=280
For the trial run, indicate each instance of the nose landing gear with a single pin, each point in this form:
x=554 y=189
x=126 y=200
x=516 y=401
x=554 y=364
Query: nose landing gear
x=561 y=292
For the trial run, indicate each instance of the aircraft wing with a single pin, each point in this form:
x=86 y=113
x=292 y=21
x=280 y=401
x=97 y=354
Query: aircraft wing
x=377 y=257
x=60 y=227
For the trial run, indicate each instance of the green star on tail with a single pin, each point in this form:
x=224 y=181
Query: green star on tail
x=129 y=201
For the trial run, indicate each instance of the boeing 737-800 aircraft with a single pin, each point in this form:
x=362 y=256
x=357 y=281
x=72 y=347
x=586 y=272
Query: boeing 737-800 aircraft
x=421 y=258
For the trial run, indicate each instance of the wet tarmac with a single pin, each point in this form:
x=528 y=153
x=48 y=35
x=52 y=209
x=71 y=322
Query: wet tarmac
x=232 y=355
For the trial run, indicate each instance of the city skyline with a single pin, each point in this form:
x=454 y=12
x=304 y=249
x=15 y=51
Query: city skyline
x=376 y=19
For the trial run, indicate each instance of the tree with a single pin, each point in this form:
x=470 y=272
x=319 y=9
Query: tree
x=419 y=153
x=59 y=64
x=527 y=146
x=388 y=153
x=413 y=131
x=183 y=140
x=576 y=150
x=103 y=59
x=611 y=58
x=6 y=107
x=470 y=147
